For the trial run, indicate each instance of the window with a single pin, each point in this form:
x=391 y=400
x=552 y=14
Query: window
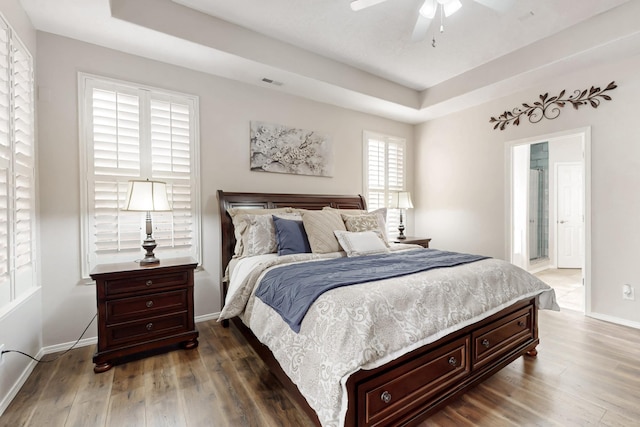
x=384 y=160
x=132 y=132
x=17 y=168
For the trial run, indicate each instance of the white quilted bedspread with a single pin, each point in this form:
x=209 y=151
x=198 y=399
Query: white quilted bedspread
x=364 y=326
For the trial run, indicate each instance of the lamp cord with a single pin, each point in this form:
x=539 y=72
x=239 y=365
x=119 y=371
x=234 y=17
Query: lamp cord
x=59 y=355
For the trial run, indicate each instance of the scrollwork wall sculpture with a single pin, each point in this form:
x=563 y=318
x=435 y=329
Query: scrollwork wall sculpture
x=549 y=107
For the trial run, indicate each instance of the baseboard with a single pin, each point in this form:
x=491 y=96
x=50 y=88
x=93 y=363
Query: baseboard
x=616 y=320
x=66 y=346
x=206 y=317
x=8 y=398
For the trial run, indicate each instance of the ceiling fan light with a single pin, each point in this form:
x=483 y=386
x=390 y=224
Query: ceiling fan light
x=428 y=9
x=451 y=7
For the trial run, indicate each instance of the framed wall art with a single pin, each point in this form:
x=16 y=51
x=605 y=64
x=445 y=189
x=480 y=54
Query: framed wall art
x=282 y=149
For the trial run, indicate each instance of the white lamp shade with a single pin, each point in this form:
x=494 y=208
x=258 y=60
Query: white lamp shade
x=401 y=200
x=147 y=196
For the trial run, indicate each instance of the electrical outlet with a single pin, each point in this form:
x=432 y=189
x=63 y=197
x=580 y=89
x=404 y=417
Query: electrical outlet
x=1 y=354
x=628 y=293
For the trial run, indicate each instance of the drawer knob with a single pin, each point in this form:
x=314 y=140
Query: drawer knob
x=521 y=323
x=385 y=396
x=485 y=342
x=453 y=361
x=149 y=304
x=149 y=326
x=149 y=282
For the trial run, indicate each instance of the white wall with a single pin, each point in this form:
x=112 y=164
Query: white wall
x=460 y=180
x=226 y=107
x=20 y=328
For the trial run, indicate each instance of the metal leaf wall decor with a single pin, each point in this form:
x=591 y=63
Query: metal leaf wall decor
x=549 y=107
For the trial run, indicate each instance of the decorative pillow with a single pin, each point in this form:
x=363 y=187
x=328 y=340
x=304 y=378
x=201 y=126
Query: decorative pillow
x=365 y=222
x=240 y=219
x=344 y=211
x=291 y=237
x=360 y=243
x=261 y=236
x=320 y=226
x=381 y=212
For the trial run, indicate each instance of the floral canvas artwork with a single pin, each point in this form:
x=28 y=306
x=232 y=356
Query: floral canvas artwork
x=282 y=149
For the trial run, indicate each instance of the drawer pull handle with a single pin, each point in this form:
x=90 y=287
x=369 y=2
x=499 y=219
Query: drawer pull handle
x=149 y=326
x=485 y=343
x=521 y=323
x=149 y=304
x=385 y=397
x=453 y=361
x=149 y=282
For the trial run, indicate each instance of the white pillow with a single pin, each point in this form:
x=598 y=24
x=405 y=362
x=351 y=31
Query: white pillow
x=358 y=243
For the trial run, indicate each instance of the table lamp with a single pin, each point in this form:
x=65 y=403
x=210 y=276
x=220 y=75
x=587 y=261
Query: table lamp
x=147 y=196
x=401 y=200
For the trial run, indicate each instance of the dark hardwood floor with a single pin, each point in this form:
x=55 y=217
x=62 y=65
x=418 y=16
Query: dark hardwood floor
x=587 y=373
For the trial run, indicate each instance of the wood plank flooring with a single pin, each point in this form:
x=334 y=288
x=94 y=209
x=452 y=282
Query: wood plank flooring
x=587 y=373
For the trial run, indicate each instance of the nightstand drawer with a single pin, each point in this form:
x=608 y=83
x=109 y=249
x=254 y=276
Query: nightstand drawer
x=147 y=329
x=120 y=310
x=144 y=282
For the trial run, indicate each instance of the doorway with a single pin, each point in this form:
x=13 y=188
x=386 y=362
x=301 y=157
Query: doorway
x=547 y=205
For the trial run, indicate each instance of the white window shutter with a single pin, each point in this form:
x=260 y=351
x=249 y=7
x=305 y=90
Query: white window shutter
x=17 y=174
x=171 y=162
x=5 y=164
x=137 y=133
x=384 y=174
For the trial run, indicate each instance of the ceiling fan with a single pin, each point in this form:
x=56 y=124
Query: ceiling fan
x=429 y=10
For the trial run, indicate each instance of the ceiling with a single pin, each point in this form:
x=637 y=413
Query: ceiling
x=365 y=60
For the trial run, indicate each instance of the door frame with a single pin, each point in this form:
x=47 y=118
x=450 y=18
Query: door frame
x=585 y=134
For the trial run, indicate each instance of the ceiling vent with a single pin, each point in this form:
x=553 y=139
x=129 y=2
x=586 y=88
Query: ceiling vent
x=272 y=82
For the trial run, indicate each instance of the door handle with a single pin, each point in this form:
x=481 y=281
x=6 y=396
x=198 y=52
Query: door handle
x=562 y=222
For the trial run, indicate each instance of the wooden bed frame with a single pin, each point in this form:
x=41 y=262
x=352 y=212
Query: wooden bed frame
x=407 y=390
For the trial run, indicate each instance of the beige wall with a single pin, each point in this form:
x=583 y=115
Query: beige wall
x=460 y=179
x=226 y=107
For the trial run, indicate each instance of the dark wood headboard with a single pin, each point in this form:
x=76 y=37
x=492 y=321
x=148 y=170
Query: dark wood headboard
x=269 y=201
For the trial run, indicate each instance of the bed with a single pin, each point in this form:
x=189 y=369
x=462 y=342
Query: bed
x=380 y=382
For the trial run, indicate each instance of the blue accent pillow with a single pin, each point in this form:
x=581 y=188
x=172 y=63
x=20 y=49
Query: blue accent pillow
x=291 y=236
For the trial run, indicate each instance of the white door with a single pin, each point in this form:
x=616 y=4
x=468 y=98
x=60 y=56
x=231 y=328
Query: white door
x=570 y=218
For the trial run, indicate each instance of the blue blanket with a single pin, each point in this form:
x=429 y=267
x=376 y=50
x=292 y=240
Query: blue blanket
x=291 y=289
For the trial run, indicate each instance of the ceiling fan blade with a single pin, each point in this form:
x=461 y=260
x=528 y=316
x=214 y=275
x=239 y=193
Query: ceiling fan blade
x=421 y=29
x=497 y=5
x=362 y=4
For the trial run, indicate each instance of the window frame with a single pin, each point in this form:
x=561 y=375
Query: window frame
x=393 y=215
x=146 y=95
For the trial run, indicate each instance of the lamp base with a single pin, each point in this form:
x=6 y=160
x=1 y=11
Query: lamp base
x=401 y=235
x=149 y=245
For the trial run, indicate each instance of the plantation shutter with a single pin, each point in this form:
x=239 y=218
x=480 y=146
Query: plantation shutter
x=385 y=174
x=24 y=173
x=138 y=133
x=5 y=162
x=17 y=174
x=171 y=162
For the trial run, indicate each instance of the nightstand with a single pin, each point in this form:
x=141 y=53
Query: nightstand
x=142 y=308
x=422 y=241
